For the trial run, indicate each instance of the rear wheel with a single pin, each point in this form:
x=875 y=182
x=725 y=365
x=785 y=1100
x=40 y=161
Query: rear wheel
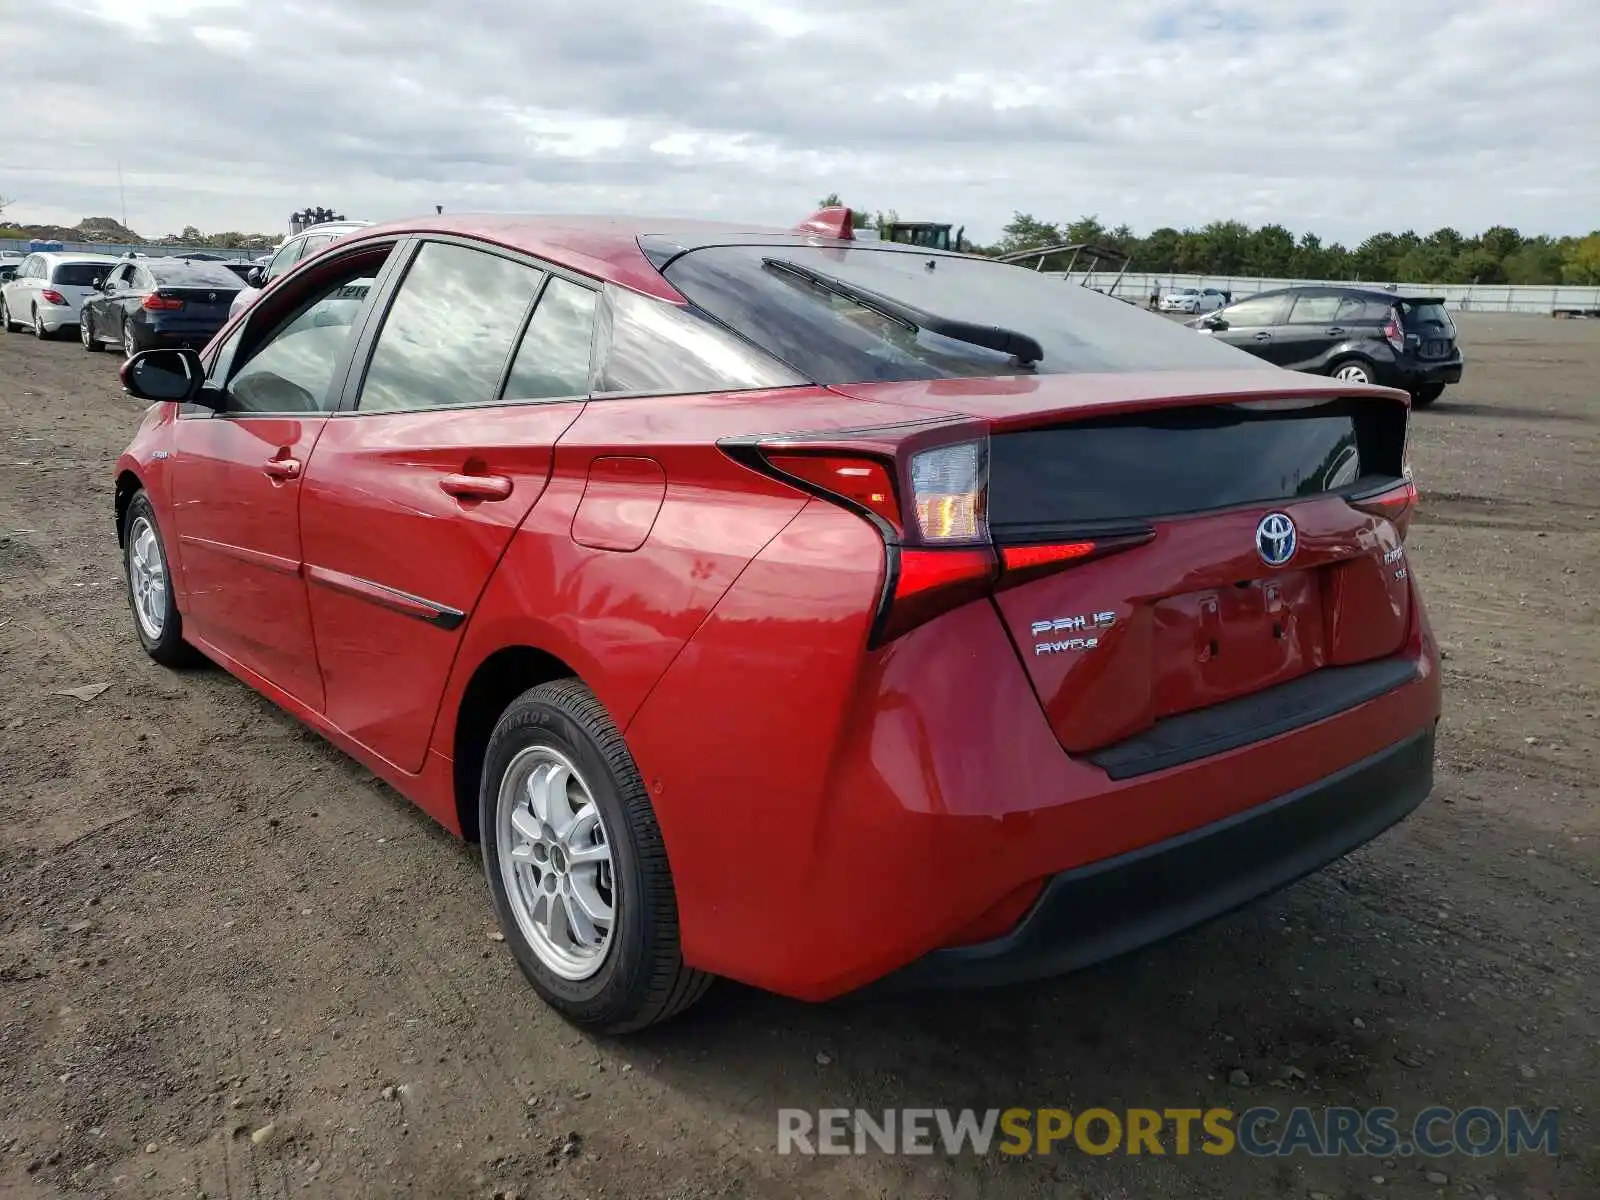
x=131 y=344
x=6 y=323
x=1426 y=394
x=86 y=333
x=577 y=867
x=1352 y=370
x=39 y=331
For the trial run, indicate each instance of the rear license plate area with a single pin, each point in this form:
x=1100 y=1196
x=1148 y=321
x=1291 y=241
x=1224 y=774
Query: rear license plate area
x=1219 y=643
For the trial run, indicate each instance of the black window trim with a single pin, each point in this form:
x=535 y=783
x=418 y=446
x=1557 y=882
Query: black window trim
x=361 y=362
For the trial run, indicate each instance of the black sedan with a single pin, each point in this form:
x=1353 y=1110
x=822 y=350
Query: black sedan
x=150 y=302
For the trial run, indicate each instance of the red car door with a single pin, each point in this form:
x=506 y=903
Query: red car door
x=415 y=490
x=237 y=479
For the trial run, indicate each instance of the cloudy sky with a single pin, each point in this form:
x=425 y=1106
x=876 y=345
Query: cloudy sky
x=1339 y=118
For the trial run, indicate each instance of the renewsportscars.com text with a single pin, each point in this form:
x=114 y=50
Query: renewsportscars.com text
x=1258 y=1132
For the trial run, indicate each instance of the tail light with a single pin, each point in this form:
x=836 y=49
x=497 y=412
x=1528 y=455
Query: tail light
x=156 y=302
x=1397 y=506
x=1393 y=333
x=934 y=520
x=51 y=296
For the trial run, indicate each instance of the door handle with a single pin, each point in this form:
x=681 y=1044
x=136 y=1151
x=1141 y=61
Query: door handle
x=282 y=468
x=1336 y=331
x=1263 y=336
x=477 y=487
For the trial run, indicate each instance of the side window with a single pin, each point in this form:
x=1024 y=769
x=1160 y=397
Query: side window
x=449 y=331
x=1258 y=310
x=30 y=268
x=286 y=257
x=1351 y=308
x=660 y=348
x=117 y=279
x=217 y=376
x=1314 y=309
x=553 y=360
x=293 y=369
x=313 y=244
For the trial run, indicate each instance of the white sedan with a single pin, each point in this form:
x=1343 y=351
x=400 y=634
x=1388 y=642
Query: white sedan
x=1193 y=300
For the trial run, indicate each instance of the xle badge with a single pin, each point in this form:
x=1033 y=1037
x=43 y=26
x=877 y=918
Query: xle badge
x=1080 y=625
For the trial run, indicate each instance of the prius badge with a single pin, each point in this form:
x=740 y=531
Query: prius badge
x=1275 y=539
x=1089 y=627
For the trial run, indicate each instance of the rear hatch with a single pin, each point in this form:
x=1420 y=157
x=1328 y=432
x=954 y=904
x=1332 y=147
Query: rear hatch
x=1207 y=549
x=78 y=281
x=1426 y=320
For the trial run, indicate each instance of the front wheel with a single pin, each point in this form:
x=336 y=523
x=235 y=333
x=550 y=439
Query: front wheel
x=155 y=610
x=577 y=866
x=1352 y=370
x=1425 y=395
x=6 y=323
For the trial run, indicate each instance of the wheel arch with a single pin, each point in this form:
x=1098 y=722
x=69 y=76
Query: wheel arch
x=498 y=680
x=128 y=485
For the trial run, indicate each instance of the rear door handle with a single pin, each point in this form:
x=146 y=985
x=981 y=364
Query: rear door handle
x=282 y=468
x=477 y=487
x=1336 y=331
x=1263 y=336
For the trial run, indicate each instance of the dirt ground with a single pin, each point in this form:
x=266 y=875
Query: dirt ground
x=232 y=964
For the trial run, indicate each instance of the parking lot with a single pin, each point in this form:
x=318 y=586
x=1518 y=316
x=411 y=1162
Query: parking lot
x=233 y=964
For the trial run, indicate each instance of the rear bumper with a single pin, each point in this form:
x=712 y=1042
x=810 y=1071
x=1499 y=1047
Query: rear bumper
x=193 y=335
x=1108 y=908
x=1446 y=370
x=55 y=317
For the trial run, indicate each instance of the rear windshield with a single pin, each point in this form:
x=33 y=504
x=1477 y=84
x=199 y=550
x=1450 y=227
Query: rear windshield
x=1426 y=318
x=193 y=274
x=830 y=339
x=80 y=274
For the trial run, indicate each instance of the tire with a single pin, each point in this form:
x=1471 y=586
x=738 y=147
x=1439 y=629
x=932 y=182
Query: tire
x=155 y=611
x=39 y=331
x=131 y=344
x=1426 y=394
x=86 y=334
x=632 y=974
x=1353 y=370
x=6 y=323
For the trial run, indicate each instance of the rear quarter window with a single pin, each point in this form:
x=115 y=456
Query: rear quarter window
x=655 y=348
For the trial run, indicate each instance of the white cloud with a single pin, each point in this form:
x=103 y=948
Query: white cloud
x=1341 y=120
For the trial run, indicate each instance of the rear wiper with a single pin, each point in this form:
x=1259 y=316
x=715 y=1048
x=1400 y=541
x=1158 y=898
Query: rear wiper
x=1025 y=349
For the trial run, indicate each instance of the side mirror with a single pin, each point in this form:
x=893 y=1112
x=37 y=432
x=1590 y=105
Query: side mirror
x=256 y=278
x=166 y=375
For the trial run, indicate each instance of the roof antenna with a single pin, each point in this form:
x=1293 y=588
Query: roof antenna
x=439 y=208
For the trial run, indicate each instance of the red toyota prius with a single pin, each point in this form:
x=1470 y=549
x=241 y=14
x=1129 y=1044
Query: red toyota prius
x=773 y=605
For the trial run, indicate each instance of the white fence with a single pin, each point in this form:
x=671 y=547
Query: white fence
x=1489 y=297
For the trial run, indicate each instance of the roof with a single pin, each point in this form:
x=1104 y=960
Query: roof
x=607 y=248
x=76 y=256
x=1365 y=291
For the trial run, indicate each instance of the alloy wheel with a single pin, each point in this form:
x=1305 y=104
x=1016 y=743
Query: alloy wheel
x=38 y=325
x=129 y=346
x=147 y=577
x=1352 y=373
x=84 y=333
x=555 y=862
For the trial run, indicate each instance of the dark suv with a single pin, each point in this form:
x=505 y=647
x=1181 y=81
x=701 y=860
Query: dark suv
x=1357 y=334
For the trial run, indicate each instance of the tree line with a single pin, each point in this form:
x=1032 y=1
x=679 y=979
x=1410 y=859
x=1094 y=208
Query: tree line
x=1497 y=255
